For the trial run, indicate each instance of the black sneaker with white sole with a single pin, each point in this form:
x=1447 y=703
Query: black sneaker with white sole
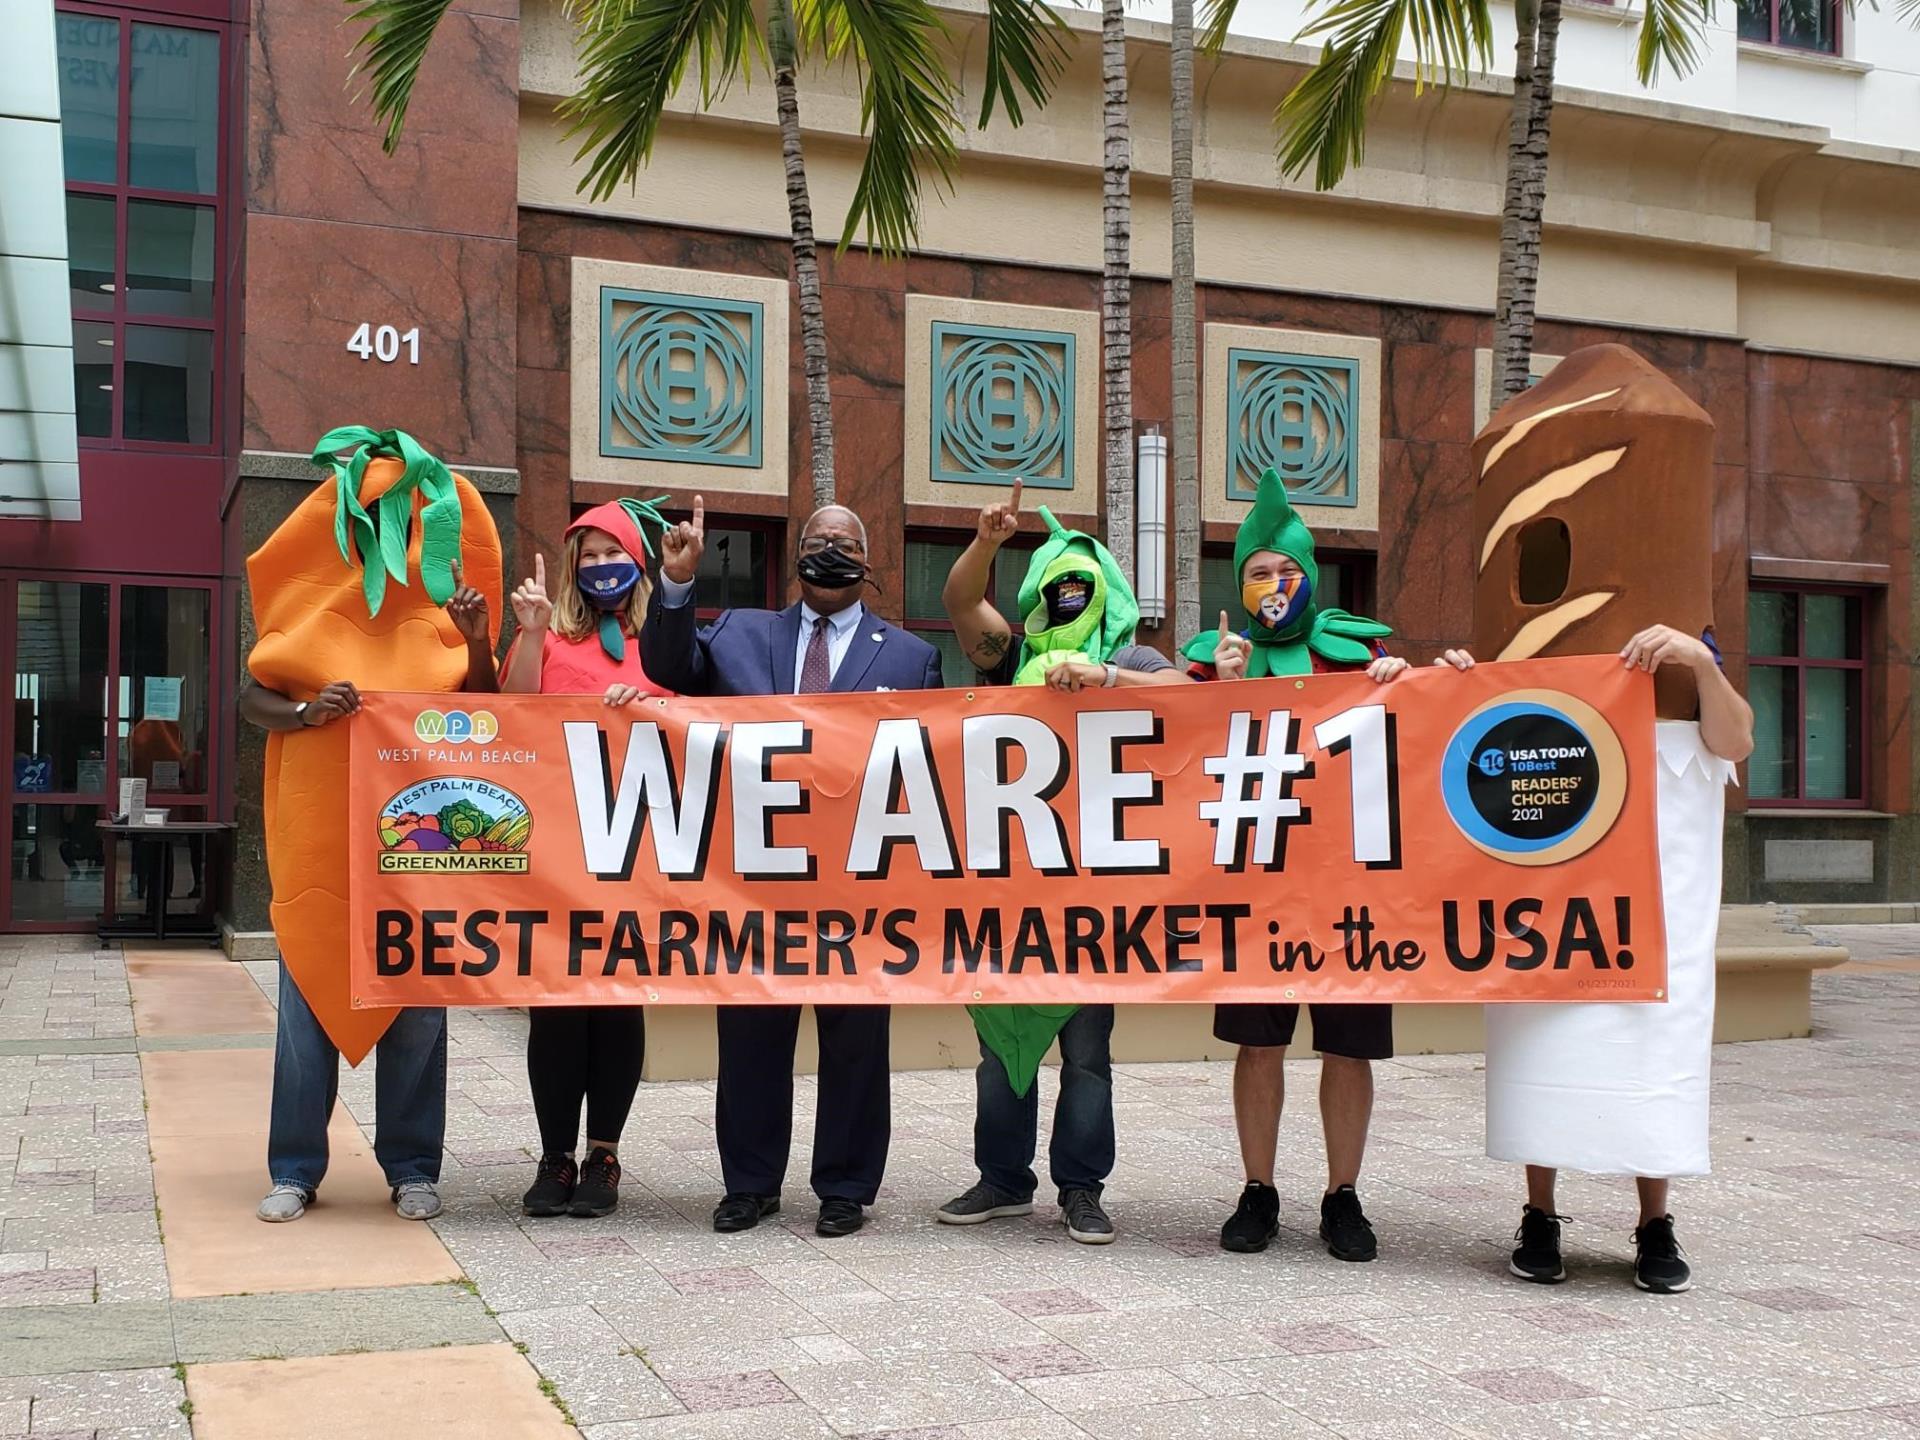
x=1658 y=1265
x=982 y=1203
x=1085 y=1220
x=1343 y=1225
x=1536 y=1256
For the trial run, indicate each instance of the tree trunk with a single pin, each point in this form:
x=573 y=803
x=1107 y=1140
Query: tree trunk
x=1186 y=384
x=806 y=260
x=1116 y=286
x=1534 y=54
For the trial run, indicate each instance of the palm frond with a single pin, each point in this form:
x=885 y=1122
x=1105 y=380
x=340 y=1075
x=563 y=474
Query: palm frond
x=1215 y=18
x=1670 y=35
x=633 y=57
x=389 y=52
x=1025 y=51
x=1908 y=10
x=1323 y=119
x=908 y=107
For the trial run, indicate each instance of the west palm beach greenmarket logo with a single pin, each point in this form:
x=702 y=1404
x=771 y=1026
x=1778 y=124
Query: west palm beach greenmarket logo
x=455 y=824
x=456 y=727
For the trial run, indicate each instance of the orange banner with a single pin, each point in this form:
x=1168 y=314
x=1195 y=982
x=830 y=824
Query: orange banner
x=1447 y=837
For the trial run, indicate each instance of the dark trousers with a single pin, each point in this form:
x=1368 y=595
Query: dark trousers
x=590 y=1053
x=1006 y=1126
x=753 y=1110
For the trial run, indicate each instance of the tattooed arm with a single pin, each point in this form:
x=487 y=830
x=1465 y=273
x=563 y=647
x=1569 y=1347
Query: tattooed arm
x=983 y=632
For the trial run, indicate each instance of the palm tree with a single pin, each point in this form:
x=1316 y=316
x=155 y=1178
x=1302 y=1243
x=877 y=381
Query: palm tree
x=1116 y=282
x=1186 y=386
x=1322 y=121
x=634 y=54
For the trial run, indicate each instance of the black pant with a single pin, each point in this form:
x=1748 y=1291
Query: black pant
x=753 y=1110
x=583 y=1052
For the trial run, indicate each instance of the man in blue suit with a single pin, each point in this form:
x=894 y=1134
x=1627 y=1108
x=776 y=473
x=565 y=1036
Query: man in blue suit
x=828 y=641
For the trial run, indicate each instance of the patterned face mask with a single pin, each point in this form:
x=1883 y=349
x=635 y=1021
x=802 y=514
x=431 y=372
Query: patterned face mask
x=1277 y=605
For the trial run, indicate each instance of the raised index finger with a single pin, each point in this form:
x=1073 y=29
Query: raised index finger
x=1014 y=504
x=540 y=569
x=700 y=515
x=1223 y=623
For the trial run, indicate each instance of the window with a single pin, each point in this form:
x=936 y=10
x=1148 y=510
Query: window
x=929 y=560
x=1795 y=24
x=1807 y=681
x=140 y=109
x=1346 y=583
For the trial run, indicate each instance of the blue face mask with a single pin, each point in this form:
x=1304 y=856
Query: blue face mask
x=606 y=587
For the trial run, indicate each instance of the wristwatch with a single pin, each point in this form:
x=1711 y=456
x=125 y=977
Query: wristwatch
x=1113 y=676
x=300 y=711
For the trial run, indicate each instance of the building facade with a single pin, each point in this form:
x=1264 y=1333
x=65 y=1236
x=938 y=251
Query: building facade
x=247 y=269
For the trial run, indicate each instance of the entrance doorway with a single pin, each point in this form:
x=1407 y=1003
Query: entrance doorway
x=112 y=678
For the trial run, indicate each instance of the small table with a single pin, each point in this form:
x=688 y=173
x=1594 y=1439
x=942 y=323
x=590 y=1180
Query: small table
x=156 y=924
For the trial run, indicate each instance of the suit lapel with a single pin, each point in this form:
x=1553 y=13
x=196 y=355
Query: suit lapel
x=869 y=639
x=784 y=636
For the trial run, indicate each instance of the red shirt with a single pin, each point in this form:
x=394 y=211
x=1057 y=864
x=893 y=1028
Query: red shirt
x=583 y=667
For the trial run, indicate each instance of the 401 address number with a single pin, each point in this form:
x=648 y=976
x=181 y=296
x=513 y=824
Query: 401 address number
x=384 y=343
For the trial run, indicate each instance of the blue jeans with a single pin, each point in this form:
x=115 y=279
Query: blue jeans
x=1006 y=1126
x=409 y=1088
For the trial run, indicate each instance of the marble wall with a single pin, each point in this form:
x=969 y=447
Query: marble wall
x=340 y=233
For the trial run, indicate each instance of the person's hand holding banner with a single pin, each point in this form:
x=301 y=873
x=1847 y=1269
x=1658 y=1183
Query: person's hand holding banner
x=1480 y=835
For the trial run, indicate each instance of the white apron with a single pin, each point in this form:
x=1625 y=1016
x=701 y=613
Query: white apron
x=1622 y=1089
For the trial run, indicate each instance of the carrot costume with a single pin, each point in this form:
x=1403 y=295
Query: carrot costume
x=332 y=600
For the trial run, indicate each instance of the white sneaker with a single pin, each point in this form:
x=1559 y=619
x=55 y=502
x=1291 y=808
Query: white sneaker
x=283 y=1203
x=417 y=1200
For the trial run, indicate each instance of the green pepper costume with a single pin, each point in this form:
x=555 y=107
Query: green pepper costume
x=1332 y=634
x=1020 y=1034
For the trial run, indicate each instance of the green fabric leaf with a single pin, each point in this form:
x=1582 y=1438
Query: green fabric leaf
x=613 y=639
x=377 y=540
x=1020 y=1035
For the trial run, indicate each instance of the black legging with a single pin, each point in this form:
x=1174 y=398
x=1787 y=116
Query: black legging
x=590 y=1052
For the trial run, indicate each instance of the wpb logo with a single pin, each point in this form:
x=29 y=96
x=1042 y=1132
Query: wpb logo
x=456 y=727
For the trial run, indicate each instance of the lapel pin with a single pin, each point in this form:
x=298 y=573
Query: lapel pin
x=878 y=636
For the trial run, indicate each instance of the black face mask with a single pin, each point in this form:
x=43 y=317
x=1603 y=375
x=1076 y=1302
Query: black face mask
x=830 y=570
x=1067 y=599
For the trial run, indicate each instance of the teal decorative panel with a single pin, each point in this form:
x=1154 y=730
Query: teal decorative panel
x=1002 y=406
x=1296 y=414
x=680 y=378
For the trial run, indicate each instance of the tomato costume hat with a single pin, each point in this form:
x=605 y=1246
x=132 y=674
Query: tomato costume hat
x=1273 y=525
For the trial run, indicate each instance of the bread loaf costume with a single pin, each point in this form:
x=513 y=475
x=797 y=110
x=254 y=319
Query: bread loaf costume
x=1075 y=605
x=1593 y=519
x=352 y=586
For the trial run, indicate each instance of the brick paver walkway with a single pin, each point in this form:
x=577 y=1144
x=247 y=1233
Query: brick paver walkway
x=646 y=1325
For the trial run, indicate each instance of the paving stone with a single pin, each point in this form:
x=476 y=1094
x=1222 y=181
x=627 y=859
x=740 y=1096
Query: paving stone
x=57 y=1339
x=331 y=1322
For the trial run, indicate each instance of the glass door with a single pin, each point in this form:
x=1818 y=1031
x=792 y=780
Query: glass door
x=109 y=680
x=61 y=779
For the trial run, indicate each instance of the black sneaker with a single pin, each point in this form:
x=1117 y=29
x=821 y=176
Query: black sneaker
x=1343 y=1225
x=598 y=1191
x=982 y=1203
x=1086 y=1221
x=552 y=1189
x=1255 y=1221
x=1658 y=1266
x=1537 y=1255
